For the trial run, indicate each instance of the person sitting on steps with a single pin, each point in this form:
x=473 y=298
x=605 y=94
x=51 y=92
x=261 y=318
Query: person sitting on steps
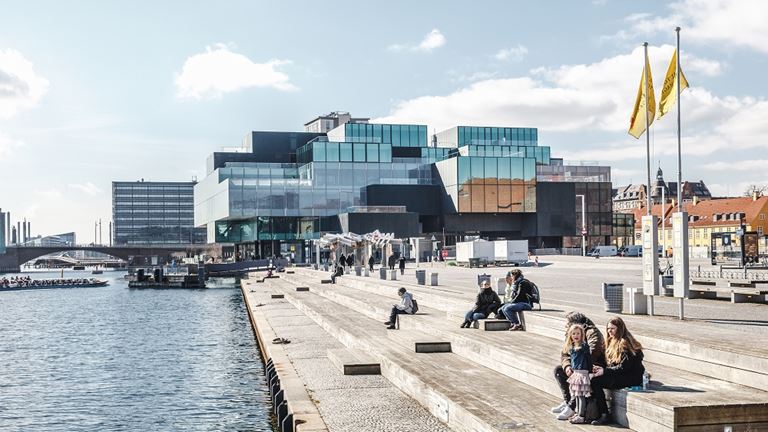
x=624 y=365
x=596 y=343
x=517 y=298
x=487 y=301
x=338 y=272
x=404 y=307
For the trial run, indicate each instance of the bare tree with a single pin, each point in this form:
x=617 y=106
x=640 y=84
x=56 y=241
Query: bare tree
x=760 y=190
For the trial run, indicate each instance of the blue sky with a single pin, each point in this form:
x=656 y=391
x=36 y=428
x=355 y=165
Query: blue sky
x=92 y=92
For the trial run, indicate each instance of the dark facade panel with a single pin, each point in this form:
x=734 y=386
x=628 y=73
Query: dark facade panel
x=510 y=225
x=220 y=158
x=555 y=204
x=279 y=147
x=401 y=224
x=421 y=199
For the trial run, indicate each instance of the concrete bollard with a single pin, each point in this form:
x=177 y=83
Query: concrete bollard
x=638 y=302
x=358 y=270
x=433 y=279
x=366 y=273
x=421 y=277
x=383 y=273
x=393 y=275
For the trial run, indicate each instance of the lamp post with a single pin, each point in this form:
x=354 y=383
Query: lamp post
x=663 y=222
x=583 y=226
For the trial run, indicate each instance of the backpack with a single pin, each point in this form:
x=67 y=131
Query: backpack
x=415 y=307
x=534 y=297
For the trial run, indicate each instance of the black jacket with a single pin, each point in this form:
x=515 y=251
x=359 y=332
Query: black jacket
x=629 y=371
x=487 y=301
x=522 y=291
x=402 y=263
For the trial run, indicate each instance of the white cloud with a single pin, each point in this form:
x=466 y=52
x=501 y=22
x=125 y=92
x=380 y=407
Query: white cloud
x=596 y=96
x=514 y=54
x=8 y=145
x=20 y=86
x=732 y=22
x=87 y=188
x=742 y=165
x=432 y=40
x=218 y=70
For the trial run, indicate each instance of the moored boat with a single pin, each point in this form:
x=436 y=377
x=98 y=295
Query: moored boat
x=15 y=284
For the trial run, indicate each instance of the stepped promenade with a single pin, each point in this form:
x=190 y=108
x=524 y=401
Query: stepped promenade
x=343 y=371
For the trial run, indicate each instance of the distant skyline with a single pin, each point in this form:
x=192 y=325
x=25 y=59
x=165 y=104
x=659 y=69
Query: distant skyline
x=93 y=92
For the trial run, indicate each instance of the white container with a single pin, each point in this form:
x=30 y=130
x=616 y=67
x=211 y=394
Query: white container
x=511 y=251
x=482 y=249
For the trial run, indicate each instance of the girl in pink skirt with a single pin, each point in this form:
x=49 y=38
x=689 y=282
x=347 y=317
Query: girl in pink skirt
x=581 y=364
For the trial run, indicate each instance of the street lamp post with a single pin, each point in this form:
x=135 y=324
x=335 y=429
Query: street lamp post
x=583 y=226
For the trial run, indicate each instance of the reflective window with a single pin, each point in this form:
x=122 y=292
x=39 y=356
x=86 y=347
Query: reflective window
x=345 y=152
x=373 y=152
x=396 y=135
x=332 y=152
x=359 y=152
x=477 y=168
x=385 y=153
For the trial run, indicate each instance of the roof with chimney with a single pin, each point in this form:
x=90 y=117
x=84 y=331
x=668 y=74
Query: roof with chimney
x=714 y=212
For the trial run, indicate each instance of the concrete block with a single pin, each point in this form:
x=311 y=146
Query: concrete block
x=638 y=302
x=290 y=272
x=702 y=294
x=366 y=272
x=421 y=343
x=741 y=298
x=393 y=275
x=495 y=325
x=302 y=289
x=433 y=279
x=326 y=281
x=354 y=362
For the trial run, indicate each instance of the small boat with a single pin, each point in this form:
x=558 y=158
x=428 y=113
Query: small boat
x=78 y=267
x=52 y=283
x=97 y=272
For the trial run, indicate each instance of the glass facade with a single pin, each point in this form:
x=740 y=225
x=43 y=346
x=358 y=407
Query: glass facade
x=396 y=134
x=480 y=170
x=147 y=213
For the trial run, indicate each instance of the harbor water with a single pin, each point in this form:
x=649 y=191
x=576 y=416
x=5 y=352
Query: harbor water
x=120 y=359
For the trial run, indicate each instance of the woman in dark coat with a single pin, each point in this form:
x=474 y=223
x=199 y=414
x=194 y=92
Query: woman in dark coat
x=401 y=264
x=487 y=301
x=624 y=365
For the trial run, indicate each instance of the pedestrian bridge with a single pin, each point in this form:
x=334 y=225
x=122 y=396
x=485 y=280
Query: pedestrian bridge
x=15 y=256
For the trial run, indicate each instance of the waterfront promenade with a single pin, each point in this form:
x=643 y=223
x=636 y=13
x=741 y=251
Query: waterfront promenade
x=708 y=372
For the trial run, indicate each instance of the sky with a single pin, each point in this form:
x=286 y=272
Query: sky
x=93 y=92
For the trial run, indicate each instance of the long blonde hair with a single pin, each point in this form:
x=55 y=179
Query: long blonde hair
x=569 y=338
x=623 y=341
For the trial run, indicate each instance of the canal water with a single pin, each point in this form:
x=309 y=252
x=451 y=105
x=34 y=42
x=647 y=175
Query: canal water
x=120 y=359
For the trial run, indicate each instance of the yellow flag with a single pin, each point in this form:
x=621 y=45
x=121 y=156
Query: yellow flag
x=669 y=91
x=637 y=122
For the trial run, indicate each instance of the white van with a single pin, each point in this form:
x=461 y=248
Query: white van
x=603 y=251
x=631 y=251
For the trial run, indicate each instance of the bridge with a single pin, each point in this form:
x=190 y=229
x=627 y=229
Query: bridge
x=15 y=256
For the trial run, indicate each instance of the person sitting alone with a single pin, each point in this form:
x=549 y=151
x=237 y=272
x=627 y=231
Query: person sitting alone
x=338 y=272
x=404 y=307
x=487 y=301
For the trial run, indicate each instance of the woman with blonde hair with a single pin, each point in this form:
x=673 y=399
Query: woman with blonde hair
x=624 y=365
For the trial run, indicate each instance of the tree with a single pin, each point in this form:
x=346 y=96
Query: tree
x=760 y=190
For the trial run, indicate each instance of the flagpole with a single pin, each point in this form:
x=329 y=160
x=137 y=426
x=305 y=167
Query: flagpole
x=684 y=261
x=647 y=133
x=679 y=155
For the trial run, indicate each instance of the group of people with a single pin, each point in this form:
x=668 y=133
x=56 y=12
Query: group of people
x=591 y=363
x=518 y=297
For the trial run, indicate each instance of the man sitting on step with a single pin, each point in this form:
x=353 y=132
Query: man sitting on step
x=404 y=307
x=338 y=272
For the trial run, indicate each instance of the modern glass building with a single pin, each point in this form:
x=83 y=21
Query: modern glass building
x=154 y=213
x=284 y=188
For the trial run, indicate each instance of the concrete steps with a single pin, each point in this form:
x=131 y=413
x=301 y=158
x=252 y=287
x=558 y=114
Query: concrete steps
x=685 y=399
x=699 y=348
x=464 y=395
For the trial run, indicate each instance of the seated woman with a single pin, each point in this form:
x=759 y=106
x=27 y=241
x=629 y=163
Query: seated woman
x=487 y=301
x=624 y=365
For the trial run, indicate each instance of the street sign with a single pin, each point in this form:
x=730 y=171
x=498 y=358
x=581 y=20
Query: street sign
x=433 y=238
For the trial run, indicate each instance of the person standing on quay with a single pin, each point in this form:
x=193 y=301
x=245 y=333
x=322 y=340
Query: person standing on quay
x=370 y=263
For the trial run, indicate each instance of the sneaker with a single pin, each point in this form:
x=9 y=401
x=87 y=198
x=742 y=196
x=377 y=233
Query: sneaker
x=566 y=413
x=558 y=409
x=577 y=419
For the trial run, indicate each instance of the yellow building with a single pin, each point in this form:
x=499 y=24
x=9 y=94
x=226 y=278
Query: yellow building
x=712 y=216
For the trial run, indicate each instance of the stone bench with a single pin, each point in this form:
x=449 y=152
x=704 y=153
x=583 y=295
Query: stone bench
x=354 y=362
